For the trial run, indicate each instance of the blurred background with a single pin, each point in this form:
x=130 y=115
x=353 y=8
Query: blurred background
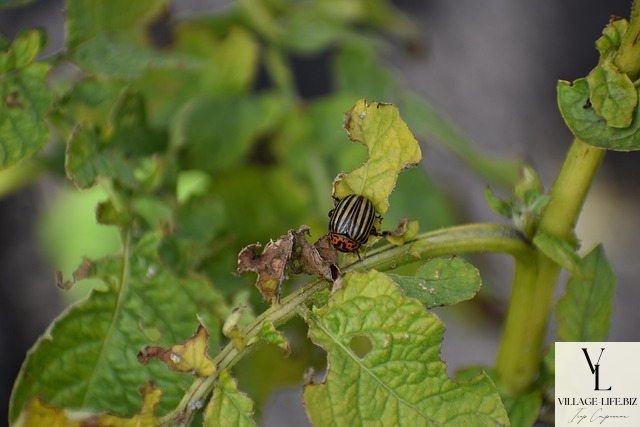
x=489 y=67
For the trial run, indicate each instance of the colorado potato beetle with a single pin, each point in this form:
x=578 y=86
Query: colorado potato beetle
x=351 y=223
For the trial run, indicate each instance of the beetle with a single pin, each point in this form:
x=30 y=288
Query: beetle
x=351 y=223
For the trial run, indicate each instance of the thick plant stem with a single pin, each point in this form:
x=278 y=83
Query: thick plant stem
x=535 y=278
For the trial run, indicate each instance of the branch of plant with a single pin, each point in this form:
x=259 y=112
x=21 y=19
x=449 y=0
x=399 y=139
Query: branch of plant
x=460 y=239
x=535 y=278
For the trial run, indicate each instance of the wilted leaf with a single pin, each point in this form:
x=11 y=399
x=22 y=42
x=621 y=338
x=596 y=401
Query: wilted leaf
x=228 y=406
x=441 y=282
x=584 y=312
x=317 y=259
x=290 y=253
x=190 y=356
x=270 y=265
x=392 y=149
x=401 y=379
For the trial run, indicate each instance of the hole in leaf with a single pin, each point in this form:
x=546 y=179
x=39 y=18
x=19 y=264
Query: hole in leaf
x=361 y=345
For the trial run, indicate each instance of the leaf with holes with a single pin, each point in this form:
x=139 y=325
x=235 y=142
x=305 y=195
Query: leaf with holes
x=87 y=359
x=392 y=149
x=384 y=364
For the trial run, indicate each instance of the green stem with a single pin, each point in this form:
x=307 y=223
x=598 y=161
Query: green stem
x=535 y=278
x=466 y=238
x=628 y=56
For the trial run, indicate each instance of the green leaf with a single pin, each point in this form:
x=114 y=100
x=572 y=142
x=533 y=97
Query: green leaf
x=401 y=379
x=87 y=159
x=27 y=46
x=560 y=251
x=228 y=406
x=87 y=360
x=498 y=205
x=120 y=55
x=392 y=149
x=586 y=124
x=24 y=104
x=611 y=36
x=131 y=134
x=85 y=20
x=584 y=312
x=613 y=95
x=308 y=30
x=441 y=282
x=218 y=132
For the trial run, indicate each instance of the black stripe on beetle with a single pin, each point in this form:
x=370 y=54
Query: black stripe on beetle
x=351 y=223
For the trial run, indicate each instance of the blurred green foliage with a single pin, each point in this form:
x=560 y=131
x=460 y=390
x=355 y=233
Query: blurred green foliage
x=201 y=139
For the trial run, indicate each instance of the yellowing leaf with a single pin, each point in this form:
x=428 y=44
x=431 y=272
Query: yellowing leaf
x=392 y=149
x=384 y=364
x=38 y=414
x=190 y=356
x=150 y=400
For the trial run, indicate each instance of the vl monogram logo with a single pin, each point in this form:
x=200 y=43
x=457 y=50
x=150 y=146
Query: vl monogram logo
x=595 y=369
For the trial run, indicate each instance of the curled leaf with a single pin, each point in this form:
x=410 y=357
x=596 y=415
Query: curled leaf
x=190 y=356
x=586 y=124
